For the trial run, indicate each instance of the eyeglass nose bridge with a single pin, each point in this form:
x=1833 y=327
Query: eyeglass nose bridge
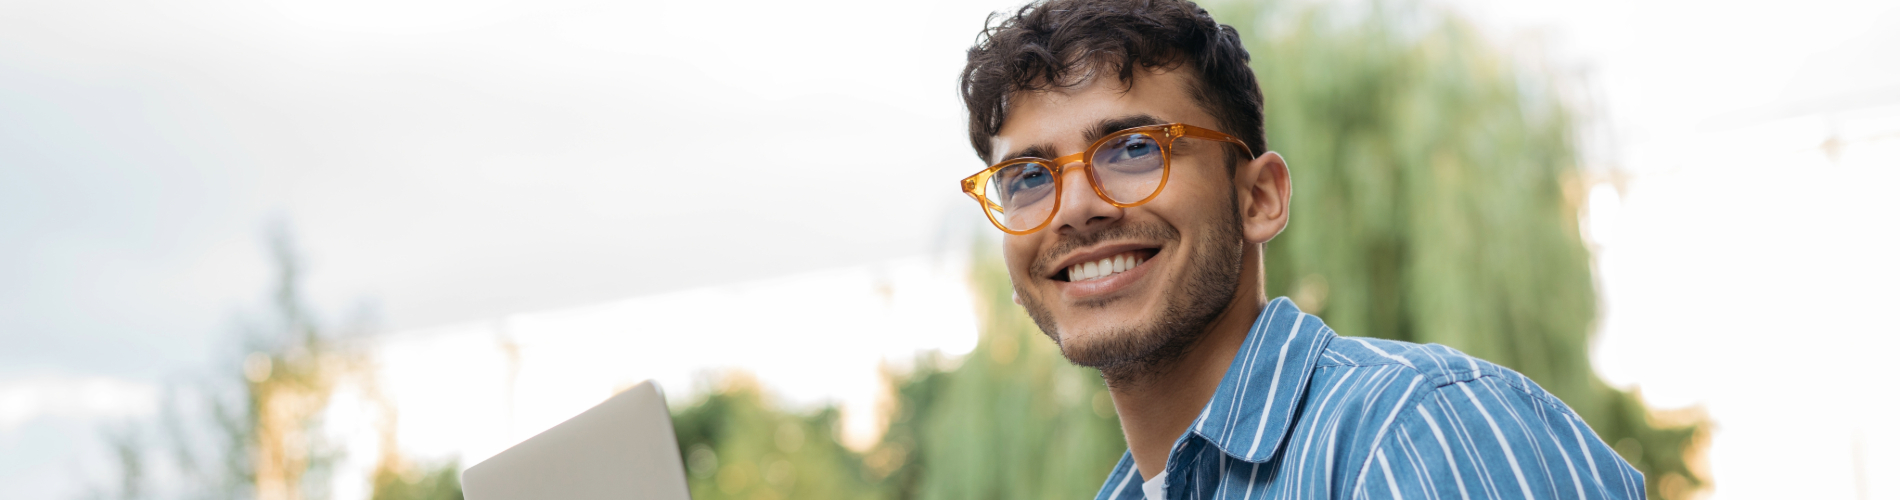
x=1080 y=160
x=1062 y=165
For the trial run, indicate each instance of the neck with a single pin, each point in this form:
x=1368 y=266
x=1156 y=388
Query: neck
x=1156 y=410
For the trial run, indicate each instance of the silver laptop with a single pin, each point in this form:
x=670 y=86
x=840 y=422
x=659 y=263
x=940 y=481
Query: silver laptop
x=622 y=448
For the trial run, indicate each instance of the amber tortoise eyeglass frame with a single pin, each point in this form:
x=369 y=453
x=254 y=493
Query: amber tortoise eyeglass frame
x=979 y=186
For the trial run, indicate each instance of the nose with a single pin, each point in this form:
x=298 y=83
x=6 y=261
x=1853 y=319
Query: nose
x=1082 y=209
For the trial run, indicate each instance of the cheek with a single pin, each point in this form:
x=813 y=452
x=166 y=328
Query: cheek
x=1018 y=255
x=1193 y=202
x=1201 y=180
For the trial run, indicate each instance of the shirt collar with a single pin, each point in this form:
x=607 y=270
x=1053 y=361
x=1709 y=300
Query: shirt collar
x=1253 y=408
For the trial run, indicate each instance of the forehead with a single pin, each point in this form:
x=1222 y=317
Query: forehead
x=1060 y=117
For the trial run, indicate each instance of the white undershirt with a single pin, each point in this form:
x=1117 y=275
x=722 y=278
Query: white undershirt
x=1157 y=488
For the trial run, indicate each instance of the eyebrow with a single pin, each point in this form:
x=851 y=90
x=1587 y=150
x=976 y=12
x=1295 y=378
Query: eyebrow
x=1093 y=133
x=1117 y=124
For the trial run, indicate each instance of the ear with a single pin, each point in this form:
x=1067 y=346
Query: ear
x=1265 y=190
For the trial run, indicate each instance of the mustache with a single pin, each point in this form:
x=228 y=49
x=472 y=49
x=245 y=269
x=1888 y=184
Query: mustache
x=1145 y=231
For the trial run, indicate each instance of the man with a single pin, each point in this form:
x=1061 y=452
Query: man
x=1131 y=175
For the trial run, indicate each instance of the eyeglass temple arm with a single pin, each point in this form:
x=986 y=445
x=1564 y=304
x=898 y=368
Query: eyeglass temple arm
x=1182 y=130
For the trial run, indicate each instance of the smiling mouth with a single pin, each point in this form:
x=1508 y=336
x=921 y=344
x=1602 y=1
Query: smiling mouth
x=1106 y=266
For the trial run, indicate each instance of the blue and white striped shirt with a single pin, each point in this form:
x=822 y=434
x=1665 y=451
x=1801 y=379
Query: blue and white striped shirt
x=1305 y=413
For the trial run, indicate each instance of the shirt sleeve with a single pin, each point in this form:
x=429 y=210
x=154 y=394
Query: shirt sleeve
x=1486 y=439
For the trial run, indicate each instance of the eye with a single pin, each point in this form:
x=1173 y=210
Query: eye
x=1022 y=184
x=1128 y=154
x=1030 y=178
x=1132 y=147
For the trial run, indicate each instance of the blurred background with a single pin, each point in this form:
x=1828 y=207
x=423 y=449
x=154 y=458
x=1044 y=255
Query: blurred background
x=298 y=249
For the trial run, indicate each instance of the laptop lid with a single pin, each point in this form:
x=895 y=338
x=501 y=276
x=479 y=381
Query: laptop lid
x=622 y=448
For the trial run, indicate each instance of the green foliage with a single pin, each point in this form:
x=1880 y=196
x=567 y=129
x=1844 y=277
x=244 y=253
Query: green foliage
x=260 y=432
x=1012 y=420
x=442 y=482
x=739 y=445
x=1435 y=189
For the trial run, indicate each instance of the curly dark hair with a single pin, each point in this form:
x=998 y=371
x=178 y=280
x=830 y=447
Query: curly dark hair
x=1059 y=43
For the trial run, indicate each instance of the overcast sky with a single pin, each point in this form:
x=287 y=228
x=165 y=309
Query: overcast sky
x=448 y=160
x=445 y=161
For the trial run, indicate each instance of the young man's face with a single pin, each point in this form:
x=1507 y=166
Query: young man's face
x=1187 y=239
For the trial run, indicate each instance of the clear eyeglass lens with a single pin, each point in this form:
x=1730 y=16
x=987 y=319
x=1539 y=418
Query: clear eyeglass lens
x=1129 y=167
x=1022 y=195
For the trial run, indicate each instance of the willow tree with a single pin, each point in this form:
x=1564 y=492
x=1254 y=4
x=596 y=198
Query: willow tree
x=1011 y=419
x=1435 y=200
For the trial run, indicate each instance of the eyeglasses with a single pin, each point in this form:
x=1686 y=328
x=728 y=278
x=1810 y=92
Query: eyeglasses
x=1126 y=168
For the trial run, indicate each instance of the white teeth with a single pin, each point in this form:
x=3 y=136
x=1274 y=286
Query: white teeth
x=1104 y=267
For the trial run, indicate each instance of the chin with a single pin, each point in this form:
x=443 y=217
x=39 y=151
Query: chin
x=1099 y=342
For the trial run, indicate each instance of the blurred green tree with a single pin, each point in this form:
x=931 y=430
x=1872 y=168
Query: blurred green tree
x=1012 y=419
x=262 y=440
x=739 y=444
x=1436 y=190
x=288 y=376
x=263 y=443
x=440 y=482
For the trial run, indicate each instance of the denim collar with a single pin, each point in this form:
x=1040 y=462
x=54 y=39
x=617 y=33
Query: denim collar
x=1254 y=407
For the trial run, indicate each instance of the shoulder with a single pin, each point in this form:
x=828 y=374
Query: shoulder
x=1432 y=418
x=1435 y=367
x=1387 y=386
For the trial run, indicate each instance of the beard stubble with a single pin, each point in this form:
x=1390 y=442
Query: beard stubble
x=1193 y=302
